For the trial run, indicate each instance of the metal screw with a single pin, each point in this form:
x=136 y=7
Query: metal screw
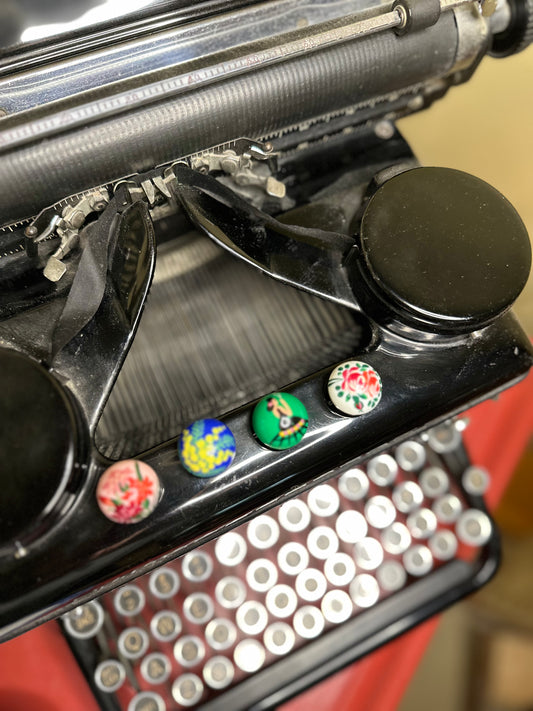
x=384 y=130
x=30 y=231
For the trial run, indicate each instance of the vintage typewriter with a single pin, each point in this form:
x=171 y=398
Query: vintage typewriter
x=262 y=478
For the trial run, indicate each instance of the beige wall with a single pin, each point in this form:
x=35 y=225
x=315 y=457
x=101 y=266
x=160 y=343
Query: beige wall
x=486 y=128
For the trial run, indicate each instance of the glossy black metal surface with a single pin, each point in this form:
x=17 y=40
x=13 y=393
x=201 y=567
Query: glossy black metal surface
x=423 y=383
x=68 y=27
x=443 y=250
x=421 y=386
x=39 y=440
x=308 y=258
x=439 y=250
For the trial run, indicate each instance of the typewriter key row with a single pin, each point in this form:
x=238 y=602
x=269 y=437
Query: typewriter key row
x=189 y=630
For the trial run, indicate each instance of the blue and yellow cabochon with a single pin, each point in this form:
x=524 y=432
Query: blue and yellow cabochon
x=206 y=448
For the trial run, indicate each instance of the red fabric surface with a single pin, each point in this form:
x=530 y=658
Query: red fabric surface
x=37 y=670
x=39 y=673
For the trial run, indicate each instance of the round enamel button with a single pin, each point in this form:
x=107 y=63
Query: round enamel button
x=207 y=448
x=280 y=420
x=354 y=388
x=128 y=491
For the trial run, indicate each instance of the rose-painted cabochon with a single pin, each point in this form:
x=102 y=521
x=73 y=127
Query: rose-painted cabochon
x=128 y=491
x=207 y=447
x=354 y=388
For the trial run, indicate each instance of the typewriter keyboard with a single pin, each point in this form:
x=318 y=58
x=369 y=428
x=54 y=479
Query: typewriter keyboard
x=187 y=632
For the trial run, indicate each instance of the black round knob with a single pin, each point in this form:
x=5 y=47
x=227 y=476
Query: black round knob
x=442 y=251
x=38 y=443
x=518 y=34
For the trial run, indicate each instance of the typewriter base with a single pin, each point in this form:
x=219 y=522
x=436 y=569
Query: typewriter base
x=40 y=666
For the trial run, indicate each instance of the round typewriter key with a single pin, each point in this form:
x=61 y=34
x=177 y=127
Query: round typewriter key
x=336 y=606
x=206 y=448
x=311 y=585
x=434 y=482
x=261 y=575
x=249 y=655
x=133 y=642
x=147 y=701
x=128 y=491
x=187 y=690
x=391 y=576
x=382 y=470
x=164 y=583
x=443 y=545
x=251 y=617
x=447 y=508
x=165 y=625
x=380 y=511
x=354 y=388
x=475 y=480
x=322 y=542
x=198 y=608
x=218 y=672
x=84 y=621
x=444 y=438
x=364 y=590
x=396 y=539
x=109 y=676
x=308 y=622
x=263 y=532
x=220 y=634
x=293 y=558
x=418 y=560
x=230 y=592
x=129 y=600
x=230 y=549
x=422 y=524
x=351 y=526
x=155 y=668
x=339 y=569
x=323 y=500
x=411 y=456
x=189 y=650
x=281 y=601
x=197 y=566
x=280 y=421
x=353 y=484
x=407 y=496
x=368 y=553
x=473 y=527
x=279 y=637
x=294 y=516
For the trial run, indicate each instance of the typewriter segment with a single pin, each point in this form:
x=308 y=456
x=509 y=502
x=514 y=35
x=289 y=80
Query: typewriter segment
x=239 y=324
x=321 y=566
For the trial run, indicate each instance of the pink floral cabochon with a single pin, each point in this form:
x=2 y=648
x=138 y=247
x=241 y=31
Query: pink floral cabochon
x=128 y=491
x=354 y=388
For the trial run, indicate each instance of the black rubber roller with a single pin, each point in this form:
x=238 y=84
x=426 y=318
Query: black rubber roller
x=39 y=445
x=417 y=14
x=441 y=251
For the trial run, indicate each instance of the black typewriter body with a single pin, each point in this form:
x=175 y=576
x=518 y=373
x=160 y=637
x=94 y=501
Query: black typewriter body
x=201 y=204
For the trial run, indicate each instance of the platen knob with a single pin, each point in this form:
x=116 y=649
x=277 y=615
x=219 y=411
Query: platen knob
x=441 y=251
